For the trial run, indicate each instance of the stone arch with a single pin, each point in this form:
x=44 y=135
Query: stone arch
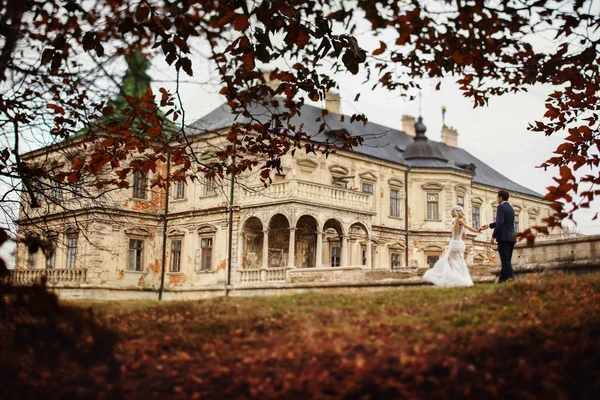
x=307 y=214
x=307 y=228
x=246 y=218
x=333 y=237
x=278 y=240
x=358 y=239
x=252 y=242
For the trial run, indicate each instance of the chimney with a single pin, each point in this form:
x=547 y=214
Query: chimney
x=449 y=136
x=408 y=125
x=332 y=102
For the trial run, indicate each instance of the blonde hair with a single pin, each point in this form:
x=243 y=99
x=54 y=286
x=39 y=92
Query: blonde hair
x=460 y=212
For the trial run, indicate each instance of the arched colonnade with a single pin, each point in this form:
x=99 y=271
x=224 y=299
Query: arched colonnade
x=306 y=242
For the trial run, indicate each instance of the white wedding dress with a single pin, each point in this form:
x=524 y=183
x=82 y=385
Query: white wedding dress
x=451 y=270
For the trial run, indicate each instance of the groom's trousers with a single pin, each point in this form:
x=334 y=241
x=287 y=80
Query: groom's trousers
x=506 y=250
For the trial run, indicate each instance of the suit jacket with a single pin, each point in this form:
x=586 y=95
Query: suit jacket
x=504 y=227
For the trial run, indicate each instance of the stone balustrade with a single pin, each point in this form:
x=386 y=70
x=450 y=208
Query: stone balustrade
x=571 y=253
x=257 y=275
x=52 y=276
x=308 y=191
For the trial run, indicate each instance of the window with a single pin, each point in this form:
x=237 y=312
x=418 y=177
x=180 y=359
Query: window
x=279 y=178
x=516 y=222
x=206 y=247
x=340 y=183
x=71 y=251
x=394 y=203
x=432 y=206
x=209 y=186
x=367 y=188
x=56 y=192
x=136 y=253
x=460 y=201
x=140 y=185
x=431 y=260
x=175 y=255
x=364 y=256
x=336 y=253
x=31 y=261
x=51 y=259
x=179 y=190
x=395 y=259
x=476 y=218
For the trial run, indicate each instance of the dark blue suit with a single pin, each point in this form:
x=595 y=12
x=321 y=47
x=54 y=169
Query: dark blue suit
x=504 y=229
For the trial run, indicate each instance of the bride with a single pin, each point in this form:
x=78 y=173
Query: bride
x=451 y=270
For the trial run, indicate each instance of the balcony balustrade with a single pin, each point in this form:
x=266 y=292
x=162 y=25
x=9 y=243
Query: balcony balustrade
x=53 y=276
x=295 y=189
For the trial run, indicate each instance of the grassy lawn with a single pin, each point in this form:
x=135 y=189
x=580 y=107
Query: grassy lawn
x=532 y=339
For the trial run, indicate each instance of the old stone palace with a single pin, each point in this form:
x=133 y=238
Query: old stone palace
x=385 y=206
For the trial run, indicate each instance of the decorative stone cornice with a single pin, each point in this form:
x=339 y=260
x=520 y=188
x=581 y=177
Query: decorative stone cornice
x=368 y=176
x=395 y=182
x=433 y=186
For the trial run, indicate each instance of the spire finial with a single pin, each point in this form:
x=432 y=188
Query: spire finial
x=444 y=115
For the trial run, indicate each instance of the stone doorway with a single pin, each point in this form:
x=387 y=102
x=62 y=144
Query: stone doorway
x=306 y=241
x=279 y=241
x=335 y=246
x=253 y=237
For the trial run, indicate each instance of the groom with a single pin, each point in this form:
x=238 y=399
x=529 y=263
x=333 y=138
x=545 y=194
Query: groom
x=504 y=229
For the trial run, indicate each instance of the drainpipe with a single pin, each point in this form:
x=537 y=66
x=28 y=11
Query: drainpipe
x=230 y=233
x=406 y=212
x=164 y=246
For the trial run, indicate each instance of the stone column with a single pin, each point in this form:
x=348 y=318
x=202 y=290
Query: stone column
x=344 y=251
x=240 y=249
x=368 y=253
x=265 y=252
x=319 y=252
x=292 y=249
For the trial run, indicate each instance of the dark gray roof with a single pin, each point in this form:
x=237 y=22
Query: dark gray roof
x=379 y=141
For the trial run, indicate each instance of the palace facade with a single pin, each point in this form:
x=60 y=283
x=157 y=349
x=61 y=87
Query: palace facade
x=383 y=206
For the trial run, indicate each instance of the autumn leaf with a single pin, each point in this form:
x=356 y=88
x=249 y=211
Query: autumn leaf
x=142 y=13
x=381 y=49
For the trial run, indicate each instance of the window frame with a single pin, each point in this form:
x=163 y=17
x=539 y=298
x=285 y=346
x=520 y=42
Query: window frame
x=51 y=261
x=175 y=255
x=368 y=184
x=209 y=187
x=395 y=200
x=71 y=251
x=335 y=256
x=131 y=249
x=460 y=200
x=140 y=185
x=476 y=222
x=428 y=256
x=179 y=190
x=199 y=264
x=393 y=254
x=56 y=193
x=435 y=213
